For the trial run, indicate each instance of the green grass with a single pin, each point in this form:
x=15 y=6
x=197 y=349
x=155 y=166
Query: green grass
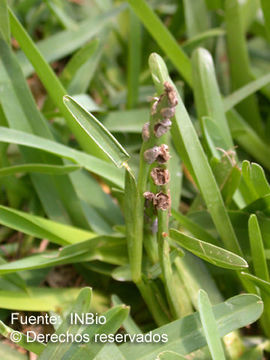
x=134 y=177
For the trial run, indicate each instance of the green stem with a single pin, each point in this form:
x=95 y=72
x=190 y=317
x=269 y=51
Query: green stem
x=154 y=301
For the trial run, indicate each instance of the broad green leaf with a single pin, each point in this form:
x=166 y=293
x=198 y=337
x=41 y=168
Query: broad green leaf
x=189 y=147
x=42 y=228
x=210 y=327
x=163 y=37
x=38 y=168
x=35 y=346
x=211 y=253
x=239 y=95
x=38 y=299
x=89 y=162
x=96 y=131
x=235 y=313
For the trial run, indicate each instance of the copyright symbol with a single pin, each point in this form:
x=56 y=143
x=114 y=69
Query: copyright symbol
x=15 y=336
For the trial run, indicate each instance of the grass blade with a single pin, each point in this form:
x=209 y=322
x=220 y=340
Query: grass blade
x=195 y=229
x=80 y=306
x=211 y=253
x=66 y=42
x=57 y=195
x=262 y=284
x=210 y=326
x=134 y=227
x=134 y=60
x=170 y=355
x=249 y=140
x=230 y=315
x=38 y=299
x=257 y=249
x=239 y=95
x=4 y=21
x=89 y=162
x=196 y=17
x=66 y=21
x=195 y=159
x=266 y=12
x=77 y=61
x=259 y=265
x=129 y=324
x=208 y=97
x=38 y=168
x=200 y=38
x=97 y=132
x=52 y=84
x=239 y=63
x=163 y=37
x=42 y=228
x=35 y=346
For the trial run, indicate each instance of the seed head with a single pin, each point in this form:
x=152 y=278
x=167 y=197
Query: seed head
x=162 y=201
x=150 y=155
x=146 y=131
x=168 y=113
x=163 y=155
x=160 y=176
x=171 y=93
x=162 y=127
